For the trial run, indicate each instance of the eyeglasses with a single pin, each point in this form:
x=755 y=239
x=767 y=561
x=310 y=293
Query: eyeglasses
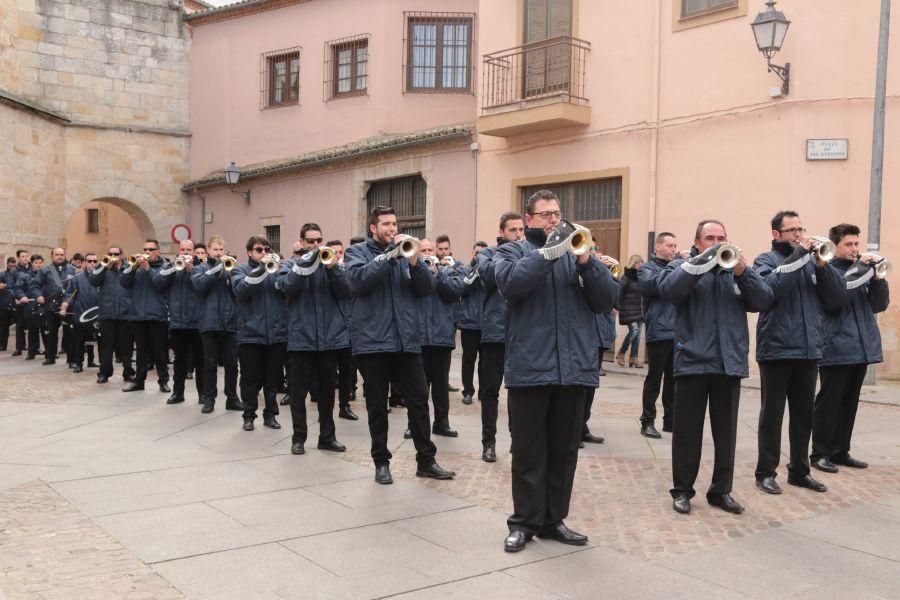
x=548 y=214
x=793 y=230
x=89 y=260
x=150 y=249
x=298 y=252
x=313 y=240
x=261 y=249
x=115 y=254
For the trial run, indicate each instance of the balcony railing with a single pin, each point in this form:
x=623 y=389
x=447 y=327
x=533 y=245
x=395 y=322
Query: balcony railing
x=550 y=69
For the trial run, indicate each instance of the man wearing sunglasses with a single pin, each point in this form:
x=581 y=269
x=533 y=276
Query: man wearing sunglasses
x=85 y=298
x=262 y=335
x=149 y=316
x=115 y=303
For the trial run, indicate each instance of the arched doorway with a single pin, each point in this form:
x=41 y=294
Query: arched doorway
x=96 y=225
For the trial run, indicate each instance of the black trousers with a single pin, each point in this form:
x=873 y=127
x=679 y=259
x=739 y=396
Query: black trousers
x=691 y=395
x=303 y=369
x=346 y=376
x=188 y=359
x=262 y=366
x=404 y=372
x=589 y=398
x=67 y=340
x=471 y=340
x=50 y=330
x=219 y=346
x=546 y=429
x=834 y=411
x=152 y=340
x=21 y=327
x=35 y=334
x=793 y=381
x=6 y=317
x=436 y=365
x=116 y=336
x=490 y=378
x=660 y=358
x=81 y=335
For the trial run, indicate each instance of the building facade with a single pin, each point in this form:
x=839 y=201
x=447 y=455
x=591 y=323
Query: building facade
x=93 y=116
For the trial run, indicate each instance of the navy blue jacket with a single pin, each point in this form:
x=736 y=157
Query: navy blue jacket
x=551 y=329
x=115 y=300
x=384 y=312
x=659 y=314
x=606 y=330
x=436 y=309
x=791 y=329
x=21 y=281
x=315 y=320
x=851 y=333
x=214 y=287
x=262 y=310
x=471 y=304
x=49 y=286
x=186 y=304
x=86 y=295
x=148 y=303
x=493 y=313
x=630 y=305
x=711 y=332
x=7 y=295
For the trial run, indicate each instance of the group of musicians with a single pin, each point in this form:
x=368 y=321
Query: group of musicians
x=534 y=309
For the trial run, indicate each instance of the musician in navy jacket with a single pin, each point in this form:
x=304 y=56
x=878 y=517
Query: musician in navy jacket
x=84 y=297
x=115 y=303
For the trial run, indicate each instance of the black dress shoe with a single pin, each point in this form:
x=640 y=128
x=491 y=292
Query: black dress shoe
x=286 y=401
x=346 y=413
x=175 y=399
x=48 y=362
x=70 y=365
x=452 y=388
x=806 y=481
x=769 y=485
x=592 y=439
x=30 y=357
x=270 y=422
x=164 y=388
x=563 y=534
x=93 y=365
x=234 y=404
x=445 y=431
x=248 y=423
x=849 y=461
x=407 y=435
x=332 y=446
x=78 y=369
x=208 y=407
x=102 y=379
x=681 y=504
x=297 y=448
x=516 y=541
x=396 y=404
x=823 y=463
x=434 y=471
x=649 y=431
x=667 y=428
x=17 y=353
x=580 y=445
x=383 y=475
x=128 y=378
x=133 y=387
x=467 y=399
x=726 y=503
x=489 y=454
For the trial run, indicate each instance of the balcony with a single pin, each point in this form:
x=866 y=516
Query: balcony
x=535 y=87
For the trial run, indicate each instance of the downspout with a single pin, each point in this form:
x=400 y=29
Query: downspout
x=654 y=127
x=474 y=148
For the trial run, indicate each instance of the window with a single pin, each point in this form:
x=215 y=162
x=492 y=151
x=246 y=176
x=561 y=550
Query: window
x=273 y=234
x=280 y=78
x=406 y=196
x=545 y=19
x=93 y=220
x=347 y=67
x=690 y=8
x=438 y=52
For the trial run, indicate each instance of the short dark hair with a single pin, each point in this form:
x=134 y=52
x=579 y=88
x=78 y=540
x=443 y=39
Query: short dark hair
x=778 y=219
x=706 y=222
x=507 y=217
x=335 y=243
x=20 y=253
x=441 y=239
x=10 y=260
x=380 y=211
x=86 y=254
x=663 y=235
x=116 y=246
x=257 y=239
x=307 y=227
x=837 y=233
x=480 y=243
x=35 y=257
x=199 y=245
x=536 y=197
x=357 y=239
x=151 y=240
x=78 y=256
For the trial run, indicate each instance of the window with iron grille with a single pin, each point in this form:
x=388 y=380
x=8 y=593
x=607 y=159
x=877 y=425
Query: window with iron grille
x=347 y=67
x=438 y=52
x=691 y=8
x=280 y=78
x=93 y=220
x=406 y=196
x=273 y=234
x=579 y=201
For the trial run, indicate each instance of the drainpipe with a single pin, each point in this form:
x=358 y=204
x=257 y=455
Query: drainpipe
x=654 y=124
x=474 y=148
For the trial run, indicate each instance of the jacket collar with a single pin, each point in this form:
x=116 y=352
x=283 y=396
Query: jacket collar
x=782 y=248
x=660 y=261
x=842 y=263
x=375 y=245
x=536 y=235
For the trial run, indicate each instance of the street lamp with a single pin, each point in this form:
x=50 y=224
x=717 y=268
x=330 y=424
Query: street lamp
x=770 y=28
x=232 y=176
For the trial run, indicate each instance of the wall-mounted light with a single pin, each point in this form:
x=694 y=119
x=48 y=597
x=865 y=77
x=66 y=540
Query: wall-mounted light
x=232 y=176
x=770 y=28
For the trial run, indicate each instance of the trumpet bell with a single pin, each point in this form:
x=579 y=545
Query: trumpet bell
x=728 y=256
x=825 y=249
x=409 y=246
x=883 y=268
x=273 y=264
x=431 y=261
x=580 y=242
x=228 y=263
x=327 y=256
x=179 y=264
x=107 y=260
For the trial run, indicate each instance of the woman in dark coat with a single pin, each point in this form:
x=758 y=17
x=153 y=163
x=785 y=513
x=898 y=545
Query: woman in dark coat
x=631 y=313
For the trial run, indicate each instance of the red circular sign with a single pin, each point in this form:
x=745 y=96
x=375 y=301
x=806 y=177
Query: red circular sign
x=180 y=233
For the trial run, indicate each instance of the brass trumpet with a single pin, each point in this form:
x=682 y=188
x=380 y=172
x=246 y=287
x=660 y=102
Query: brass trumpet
x=228 y=263
x=273 y=263
x=408 y=246
x=824 y=248
x=131 y=260
x=108 y=260
x=615 y=268
x=881 y=265
x=327 y=256
x=431 y=261
x=181 y=262
x=580 y=241
x=728 y=256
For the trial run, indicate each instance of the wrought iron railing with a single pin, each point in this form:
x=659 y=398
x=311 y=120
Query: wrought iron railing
x=551 y=68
